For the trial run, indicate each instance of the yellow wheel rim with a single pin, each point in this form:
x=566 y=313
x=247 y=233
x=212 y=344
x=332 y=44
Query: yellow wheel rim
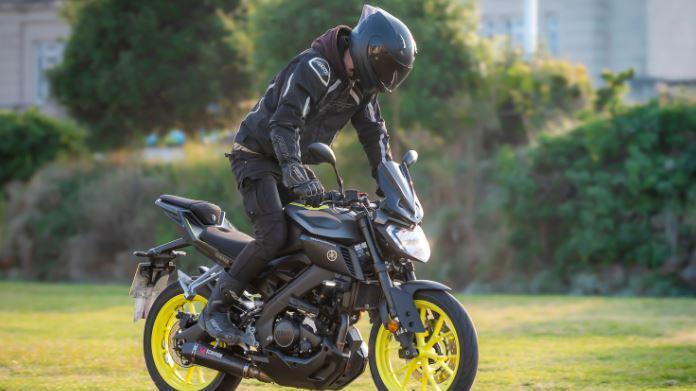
x=169 y=365
x=435 y=367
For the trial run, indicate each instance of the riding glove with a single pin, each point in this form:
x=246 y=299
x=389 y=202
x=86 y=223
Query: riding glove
x=296 y=179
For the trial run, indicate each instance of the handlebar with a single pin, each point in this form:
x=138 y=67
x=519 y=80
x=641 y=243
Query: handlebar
x=351 y=198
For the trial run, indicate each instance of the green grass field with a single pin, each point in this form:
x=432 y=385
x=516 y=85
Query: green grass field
x=81 y=337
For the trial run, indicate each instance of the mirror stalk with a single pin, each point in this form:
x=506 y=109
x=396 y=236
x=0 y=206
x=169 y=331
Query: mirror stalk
x=324 y=154
x=339 y=179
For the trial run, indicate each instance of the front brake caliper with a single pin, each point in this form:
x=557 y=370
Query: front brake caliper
x=408 y=349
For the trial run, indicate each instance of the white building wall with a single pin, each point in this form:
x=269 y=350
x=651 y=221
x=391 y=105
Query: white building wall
x=10 y=64
x=582 y=31
x=655 y=37
x=671 y=41
x=31 y=36
x=627 y=36
x=574 y=30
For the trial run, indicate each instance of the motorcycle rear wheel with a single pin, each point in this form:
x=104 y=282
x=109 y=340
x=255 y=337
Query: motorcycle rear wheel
x=448 y=350
x=163 y=363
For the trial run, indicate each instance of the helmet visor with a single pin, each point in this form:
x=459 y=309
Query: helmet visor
x=389 y=72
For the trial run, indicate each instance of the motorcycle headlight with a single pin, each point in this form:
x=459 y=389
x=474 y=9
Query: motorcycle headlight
x=411 y=241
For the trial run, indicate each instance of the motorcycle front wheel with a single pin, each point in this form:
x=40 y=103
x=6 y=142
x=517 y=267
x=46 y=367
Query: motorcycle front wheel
x=447 y=351
x=166 y=368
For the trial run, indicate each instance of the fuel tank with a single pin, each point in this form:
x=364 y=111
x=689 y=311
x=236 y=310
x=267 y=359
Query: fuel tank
x=339 y=225
x=328 y=237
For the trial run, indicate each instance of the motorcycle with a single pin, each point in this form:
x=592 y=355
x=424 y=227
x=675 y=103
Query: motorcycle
x=345 y=255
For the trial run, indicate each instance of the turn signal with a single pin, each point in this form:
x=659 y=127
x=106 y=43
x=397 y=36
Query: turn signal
x=393 y=326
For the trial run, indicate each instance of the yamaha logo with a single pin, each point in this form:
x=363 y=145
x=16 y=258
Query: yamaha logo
x=331 y=255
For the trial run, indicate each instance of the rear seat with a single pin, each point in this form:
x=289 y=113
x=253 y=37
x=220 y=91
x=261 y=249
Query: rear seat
x=208 y=213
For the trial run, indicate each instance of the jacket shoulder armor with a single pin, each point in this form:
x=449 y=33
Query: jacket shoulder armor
x=321 y=68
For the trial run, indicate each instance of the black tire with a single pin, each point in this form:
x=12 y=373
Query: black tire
x=466 y=332
x=224 y=382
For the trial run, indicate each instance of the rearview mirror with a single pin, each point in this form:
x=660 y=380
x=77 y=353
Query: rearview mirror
x=410 y=157
x=322 y=153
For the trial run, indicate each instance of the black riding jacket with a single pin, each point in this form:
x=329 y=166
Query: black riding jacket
x=309 y=101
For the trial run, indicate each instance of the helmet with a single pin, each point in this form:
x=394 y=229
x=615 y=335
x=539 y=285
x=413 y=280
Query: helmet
x=382 y=49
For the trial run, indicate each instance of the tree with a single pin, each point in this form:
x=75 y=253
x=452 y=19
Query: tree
x=444 y=31
x=610 y=97
x=139 y=66
x=30 y=140
x=464 y=99
x=617 y=191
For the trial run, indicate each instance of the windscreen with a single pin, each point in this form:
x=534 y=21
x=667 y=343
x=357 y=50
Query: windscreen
x=400 y=198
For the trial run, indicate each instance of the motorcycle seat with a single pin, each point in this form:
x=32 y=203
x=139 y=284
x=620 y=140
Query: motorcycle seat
x=207 y=212
x=229 y=242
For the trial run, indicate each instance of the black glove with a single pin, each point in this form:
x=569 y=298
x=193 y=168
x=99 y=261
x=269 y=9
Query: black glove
x=379 y=192
x=296 y=179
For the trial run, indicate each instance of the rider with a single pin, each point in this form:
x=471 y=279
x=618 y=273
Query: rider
x=310 y=100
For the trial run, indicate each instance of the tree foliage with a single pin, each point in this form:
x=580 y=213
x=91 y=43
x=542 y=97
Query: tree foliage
x=610 y=97
x=515 y=198
x=466 y=97
x=444 y=31
x=614 y=191
x=138 y=66
x=459 y=78
x=30 y=140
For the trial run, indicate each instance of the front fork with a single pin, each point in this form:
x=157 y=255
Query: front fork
x=398 y=305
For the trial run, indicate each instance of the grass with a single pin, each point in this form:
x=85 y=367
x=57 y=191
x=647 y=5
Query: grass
x=80 y=337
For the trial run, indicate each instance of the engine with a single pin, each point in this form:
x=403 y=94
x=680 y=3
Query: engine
x=302 y=328
x=294 y=334
x=286 y=333
x=314 y=339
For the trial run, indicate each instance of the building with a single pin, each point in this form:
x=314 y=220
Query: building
x=655 y=37
x=32 y=38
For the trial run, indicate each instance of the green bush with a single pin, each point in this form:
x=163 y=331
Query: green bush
x=82 y=220
x=616 y=191
x=30 y=140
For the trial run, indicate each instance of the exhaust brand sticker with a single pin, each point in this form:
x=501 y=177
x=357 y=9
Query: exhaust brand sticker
x=209 y=352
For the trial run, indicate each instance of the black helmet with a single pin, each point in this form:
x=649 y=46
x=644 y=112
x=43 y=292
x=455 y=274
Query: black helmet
x=382 y=49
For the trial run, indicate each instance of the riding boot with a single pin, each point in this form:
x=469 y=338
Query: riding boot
x=215 y=316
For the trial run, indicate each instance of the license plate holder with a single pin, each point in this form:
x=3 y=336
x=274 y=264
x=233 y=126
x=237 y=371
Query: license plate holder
x=144 y=290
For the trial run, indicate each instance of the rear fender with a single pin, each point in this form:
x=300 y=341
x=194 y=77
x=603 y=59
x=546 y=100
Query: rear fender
x=148 y=282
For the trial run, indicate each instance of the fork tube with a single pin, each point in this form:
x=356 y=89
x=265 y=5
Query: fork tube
x=380 y=267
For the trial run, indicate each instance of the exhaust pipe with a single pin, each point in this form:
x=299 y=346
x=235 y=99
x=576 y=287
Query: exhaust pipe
x=210 y=357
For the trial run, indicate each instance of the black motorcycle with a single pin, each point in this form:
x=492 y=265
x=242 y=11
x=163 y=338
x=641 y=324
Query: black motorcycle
x=345 y=254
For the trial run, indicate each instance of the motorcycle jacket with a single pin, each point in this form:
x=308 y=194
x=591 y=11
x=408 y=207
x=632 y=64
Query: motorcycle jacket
x=309 y=101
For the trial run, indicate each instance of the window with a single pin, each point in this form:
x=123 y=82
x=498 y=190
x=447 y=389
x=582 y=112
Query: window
x=488 y=27
x=518 y=32
x=46 y=56
x=514 y=30
x=551 y=32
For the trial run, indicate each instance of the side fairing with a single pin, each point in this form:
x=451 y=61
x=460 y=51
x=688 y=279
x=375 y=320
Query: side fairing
x=335 y=224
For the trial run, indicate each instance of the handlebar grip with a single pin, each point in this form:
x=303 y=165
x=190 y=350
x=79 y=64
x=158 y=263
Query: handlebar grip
x=333 y=196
